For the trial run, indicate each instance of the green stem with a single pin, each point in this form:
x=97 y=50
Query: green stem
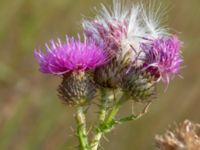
x=81 y=128
x=116 y=108
x=105 y=98
x=103 y=111
x=126 y=119
x=106 y=122
x=133 y=116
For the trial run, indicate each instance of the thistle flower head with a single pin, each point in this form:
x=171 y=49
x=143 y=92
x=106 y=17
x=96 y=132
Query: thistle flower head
x=124 y=27
x=140 y=85
x=163 y=57
x=71 y=55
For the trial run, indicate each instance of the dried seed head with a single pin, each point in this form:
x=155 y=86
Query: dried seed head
x=186 y=136
x=77 y=88
x=139 y=85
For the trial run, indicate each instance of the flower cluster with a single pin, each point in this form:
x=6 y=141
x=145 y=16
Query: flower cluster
x=123 y=53
x=125 y=47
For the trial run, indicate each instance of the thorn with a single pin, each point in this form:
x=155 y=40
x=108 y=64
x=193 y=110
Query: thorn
x=97 y=104
x=72 y=129
x=73 y=132
x=106 y=139
x=145 y=110
x=101 y=147
x=114 y=95
x=71 y=135
x=86 y=108
x=132 y=108
x=90 y=129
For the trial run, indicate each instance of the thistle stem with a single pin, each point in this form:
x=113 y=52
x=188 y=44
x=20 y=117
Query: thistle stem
x=106 y=122
x=103 y=111
x=81 y=128
x=115 y=109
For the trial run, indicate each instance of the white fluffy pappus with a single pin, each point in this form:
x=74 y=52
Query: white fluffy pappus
x=127 y=25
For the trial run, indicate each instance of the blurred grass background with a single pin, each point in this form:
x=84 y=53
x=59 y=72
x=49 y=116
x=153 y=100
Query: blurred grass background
x=32 y=117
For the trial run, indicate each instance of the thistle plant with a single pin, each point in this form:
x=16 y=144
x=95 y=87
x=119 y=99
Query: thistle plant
x=123 y=54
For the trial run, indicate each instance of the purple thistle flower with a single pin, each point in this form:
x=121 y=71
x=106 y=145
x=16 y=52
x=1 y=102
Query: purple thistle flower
x=163 y=57
x=72 y=55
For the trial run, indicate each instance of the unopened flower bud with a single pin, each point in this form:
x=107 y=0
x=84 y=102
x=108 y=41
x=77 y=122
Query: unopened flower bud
x=139 y=85
x=108 y=75
x=77 y=88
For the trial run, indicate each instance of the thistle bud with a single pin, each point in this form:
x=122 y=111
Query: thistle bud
x=108 y=75
x=77 y=88
x=139 y=85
